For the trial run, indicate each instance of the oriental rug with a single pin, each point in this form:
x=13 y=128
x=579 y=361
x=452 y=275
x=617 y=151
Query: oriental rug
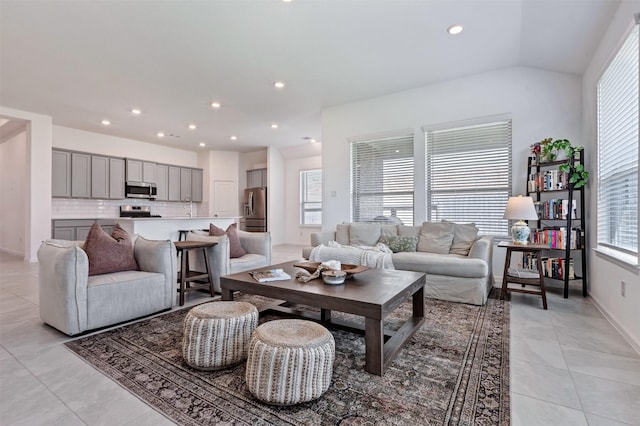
x=454 y=371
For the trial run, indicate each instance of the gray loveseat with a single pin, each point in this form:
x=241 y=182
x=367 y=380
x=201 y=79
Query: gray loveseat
x=462 y=274
x=74 y=302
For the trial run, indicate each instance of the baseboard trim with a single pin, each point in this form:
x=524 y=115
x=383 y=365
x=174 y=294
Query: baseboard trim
x=12 y=252
x=626 y=336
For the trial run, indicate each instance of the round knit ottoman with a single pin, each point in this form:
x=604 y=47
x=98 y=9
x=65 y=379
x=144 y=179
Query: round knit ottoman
x=290 y=361
x=217 y=334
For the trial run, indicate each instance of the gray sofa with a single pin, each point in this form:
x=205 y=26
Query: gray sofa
x=256 y=244
x=466 y=278
x=74 y=302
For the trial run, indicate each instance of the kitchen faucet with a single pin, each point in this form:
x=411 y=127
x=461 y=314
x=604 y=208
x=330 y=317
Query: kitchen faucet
x=190 y=205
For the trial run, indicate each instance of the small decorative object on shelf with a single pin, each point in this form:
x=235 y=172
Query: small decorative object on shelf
x=520 y=208
x=561 y=222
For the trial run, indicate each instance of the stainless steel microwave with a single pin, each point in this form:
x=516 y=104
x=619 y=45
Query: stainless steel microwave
x=145 y=190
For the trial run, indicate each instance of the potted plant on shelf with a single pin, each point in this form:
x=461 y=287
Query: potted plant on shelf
x=549 y=149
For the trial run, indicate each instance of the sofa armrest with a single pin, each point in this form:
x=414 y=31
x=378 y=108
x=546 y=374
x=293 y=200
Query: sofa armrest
x=256 y=243
x=322 y=237
x=159 y=257
x=62 y=279
x=482 y=248
x=219 y=256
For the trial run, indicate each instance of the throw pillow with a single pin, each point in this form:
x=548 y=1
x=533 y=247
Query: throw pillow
x=342 y=233
x=464 y=235
x=364 y=234
x=399 y=243
x=235 y=248
x=109 y=253
x=436 y=237
x=391 y=230
x=409 y=231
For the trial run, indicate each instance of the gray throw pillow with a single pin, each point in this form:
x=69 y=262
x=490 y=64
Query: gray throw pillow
x=409 y=231
x=464 y=235
x=436 y=237
x=342 y=234
x=364 y=234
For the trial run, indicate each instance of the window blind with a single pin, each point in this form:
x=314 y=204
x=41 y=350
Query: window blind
x=617 y=104
x=468 y=175
x=382 y=179
x=311 y=197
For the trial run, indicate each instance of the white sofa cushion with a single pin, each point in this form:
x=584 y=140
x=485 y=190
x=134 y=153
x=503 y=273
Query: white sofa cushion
x=464 y=235
x=364 y=234
x=342 y=233
x=436 y=237
x=441 y=264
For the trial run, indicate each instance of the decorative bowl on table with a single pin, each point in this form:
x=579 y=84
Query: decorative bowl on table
x=311 y=267
x=333 y=277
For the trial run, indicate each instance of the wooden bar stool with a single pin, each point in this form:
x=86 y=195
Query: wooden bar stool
x=509 y=278
x=186 y=276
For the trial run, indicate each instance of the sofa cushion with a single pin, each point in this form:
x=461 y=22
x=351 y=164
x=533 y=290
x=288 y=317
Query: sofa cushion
x=342 y=233
x=399 y=243
x=441 y=264
x=389 y=230
x=464 y=235
x=246 y=262
x=109 y=253
x=235 y=248
x=436 y=237
x=409 y=231
x=364 y=234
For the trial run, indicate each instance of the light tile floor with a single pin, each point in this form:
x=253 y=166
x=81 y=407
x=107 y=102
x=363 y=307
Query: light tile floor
x=569 y=366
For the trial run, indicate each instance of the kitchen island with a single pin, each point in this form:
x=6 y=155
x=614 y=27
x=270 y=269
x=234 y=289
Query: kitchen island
x=166 y=228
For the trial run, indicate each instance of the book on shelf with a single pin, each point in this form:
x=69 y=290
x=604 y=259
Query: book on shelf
x=552 y=267
x=270 y=275
x=555 y=209
x=555 y=237
x=548 y=180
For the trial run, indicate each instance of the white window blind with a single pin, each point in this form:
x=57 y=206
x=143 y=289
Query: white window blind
x=382 y=179
x=468 y=175
x=311 y=197
x=617 y=104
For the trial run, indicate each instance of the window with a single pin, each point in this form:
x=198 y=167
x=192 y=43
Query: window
x=311 y=197
x=617 y=103
x=382 y=181
x=468 y=175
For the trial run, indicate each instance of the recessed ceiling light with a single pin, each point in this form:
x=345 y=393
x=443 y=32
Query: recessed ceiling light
x=278 y=84
x=192 y=126
x=234 y=138
x=286 y=1
x=274 y=126
x=105 y=122
x=202 y=144
x=313 y=140
x=455 y=29
x=160 y=134
x=215 y=104
x=136 y=111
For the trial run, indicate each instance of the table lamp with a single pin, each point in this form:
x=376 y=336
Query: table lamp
x=520 y=208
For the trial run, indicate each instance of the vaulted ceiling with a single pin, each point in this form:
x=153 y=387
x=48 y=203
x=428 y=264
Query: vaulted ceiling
x=82 y=62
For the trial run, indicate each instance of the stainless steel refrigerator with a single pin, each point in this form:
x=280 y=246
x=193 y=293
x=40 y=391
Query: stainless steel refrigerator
x=255 y=210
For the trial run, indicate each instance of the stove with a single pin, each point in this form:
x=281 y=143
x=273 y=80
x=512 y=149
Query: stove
x=136 y=211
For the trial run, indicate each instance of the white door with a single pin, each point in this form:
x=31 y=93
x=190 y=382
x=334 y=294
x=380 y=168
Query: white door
x=225 y=198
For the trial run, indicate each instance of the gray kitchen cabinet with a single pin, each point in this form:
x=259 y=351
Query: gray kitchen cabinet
x=78 y=229
x=149 y=172
x=134 y=170
x=196 y=185
x=64 y=233
x=185 y=183
x=256 y=178
x=82 y=232
x=99 y=177
x=174 y=183
x=116 y=178
x=61 y=173
x=80 y=175
x=162 y=182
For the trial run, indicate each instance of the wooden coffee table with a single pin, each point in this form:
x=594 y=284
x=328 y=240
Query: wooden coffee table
x=372 y=294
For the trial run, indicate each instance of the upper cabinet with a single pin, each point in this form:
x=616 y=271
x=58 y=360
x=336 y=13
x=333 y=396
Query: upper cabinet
x=116 y=178
x=61 y=174
x=99 y=177
x=174 y=183
x=80 y=175
x=141 y=171
x=256 y=178
x=162 y=182
x=196 y=185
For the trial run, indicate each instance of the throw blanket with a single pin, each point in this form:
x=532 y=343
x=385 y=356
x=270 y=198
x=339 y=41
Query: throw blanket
x=373 y=257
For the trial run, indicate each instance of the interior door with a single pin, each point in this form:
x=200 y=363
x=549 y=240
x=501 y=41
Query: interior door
x=225 y=198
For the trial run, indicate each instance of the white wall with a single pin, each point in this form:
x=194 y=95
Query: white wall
x=294 y=232
x=541 y=103
x=96 y=143
x=275 y=196
x=605 y=274
x=13 y=190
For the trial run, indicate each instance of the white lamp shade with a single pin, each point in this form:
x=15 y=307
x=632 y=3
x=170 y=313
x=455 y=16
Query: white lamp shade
x=520 y=208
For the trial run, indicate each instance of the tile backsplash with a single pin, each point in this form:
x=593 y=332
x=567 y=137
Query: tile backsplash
x=75 y=208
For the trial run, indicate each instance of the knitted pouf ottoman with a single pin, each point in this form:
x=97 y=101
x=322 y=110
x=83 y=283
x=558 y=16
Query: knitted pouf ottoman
x=290 y=361
x=217 y=334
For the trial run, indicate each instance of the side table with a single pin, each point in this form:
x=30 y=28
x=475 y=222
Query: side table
x=539 y=281
x=183 y=248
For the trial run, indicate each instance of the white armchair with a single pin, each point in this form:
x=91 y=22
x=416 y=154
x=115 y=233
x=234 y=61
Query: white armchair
x=74 y=302
x=256 y=244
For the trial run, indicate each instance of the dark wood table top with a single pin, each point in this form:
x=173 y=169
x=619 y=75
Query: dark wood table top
x=372 y=293
x=522 y=247
x=181 y=245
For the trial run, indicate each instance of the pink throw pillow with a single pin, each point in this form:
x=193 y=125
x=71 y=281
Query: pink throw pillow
x=235 y=248
x=109 y=253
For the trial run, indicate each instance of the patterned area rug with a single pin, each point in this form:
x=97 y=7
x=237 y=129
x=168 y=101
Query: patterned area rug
x=454 y=371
